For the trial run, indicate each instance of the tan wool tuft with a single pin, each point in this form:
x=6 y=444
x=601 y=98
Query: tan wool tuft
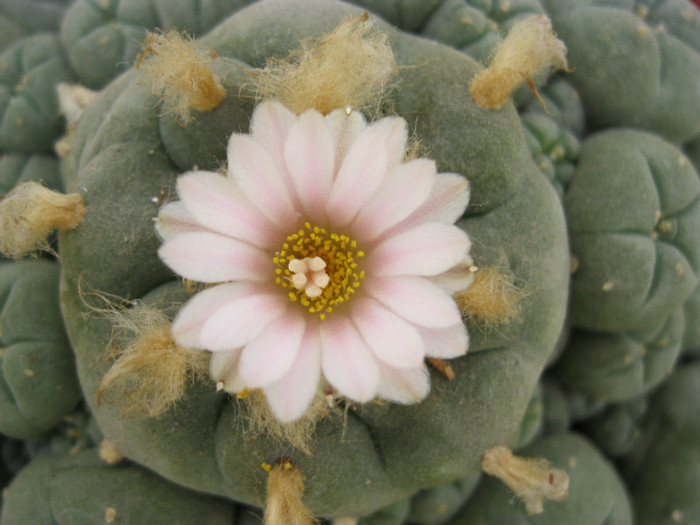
x=285 y=486
x=299 y=434
x=73 y=100
x=30 y=212
x=532 y=479
x=492 y=299
x=149 y=372
x=179 y=73
x=529 y=48
x=109 y=453
x=350 y=67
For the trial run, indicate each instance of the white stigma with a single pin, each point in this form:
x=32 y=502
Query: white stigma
x=309 y=275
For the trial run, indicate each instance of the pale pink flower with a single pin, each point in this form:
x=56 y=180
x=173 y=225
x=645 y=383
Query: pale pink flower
x=332 y=257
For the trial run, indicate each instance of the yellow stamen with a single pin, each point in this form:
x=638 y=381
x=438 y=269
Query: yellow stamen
x=319 y=269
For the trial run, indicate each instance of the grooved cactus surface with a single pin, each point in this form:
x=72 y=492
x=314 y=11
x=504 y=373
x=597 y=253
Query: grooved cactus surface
x=29 y=73
x=619 y=367
x=667 y=448
x=631 y=71
x=38 y=385
x=19 y=18
x=83 y=489
x=126 y=154
x=17 y=168
x=633 y=210
x=103 y=37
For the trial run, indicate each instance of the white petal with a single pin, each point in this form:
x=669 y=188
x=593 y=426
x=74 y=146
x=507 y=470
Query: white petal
x=290 y=396
x=445 y=343
x=223 y=368
x=457 y=278
x=392 y=339
x=230 y=309
x=310 y=159
x=241 y=320
x=259 y=178
x=405 y=189
x=427 y=249
x=345 y=128
x=447 y=201
x=270 y=355
x=212 y=258
x=270 y=125
x=365 y=166
x=218 y=204
x=415 y=299
x=174 y=219
x=404 y=385
x=348 y=364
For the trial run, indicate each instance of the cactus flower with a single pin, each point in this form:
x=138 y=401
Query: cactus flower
x=331 y=256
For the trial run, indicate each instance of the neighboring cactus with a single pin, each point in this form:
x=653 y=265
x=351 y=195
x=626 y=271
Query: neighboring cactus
x=38 y=385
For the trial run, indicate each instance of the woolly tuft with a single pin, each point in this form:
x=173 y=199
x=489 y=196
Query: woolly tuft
x=73 y=100
x=299 y=434
x=350 y=67
x=492 y=299
x=149 y=372
x=285 y=486
x=179 y=73
x=529 y=48
x=30 y=212
x=109 y=453
x=532 y=479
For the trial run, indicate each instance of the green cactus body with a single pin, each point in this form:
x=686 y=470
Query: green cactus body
x=21 y=18
x=667 y=449
x=17 y=168
x=596 y=493
x=123 y=142
x=634 y=233
x=103 y=38
x=84 y=489
x=29 y=73
x=38 y=386
x=630 y=71
x=619 y=367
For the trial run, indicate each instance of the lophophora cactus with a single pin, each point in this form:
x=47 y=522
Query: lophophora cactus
x=583 y=269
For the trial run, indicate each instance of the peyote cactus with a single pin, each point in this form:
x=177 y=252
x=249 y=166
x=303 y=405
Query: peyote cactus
x=315 y=262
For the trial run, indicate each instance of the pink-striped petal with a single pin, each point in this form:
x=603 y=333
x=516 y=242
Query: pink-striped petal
x=212 y=258
x=270 y=125
x=427 y=249
x=405 y=189
x=404 y=385
x=310 y=159
x=348 y=364
x=447 y=202
x=345 y=127
x=377 y=149
x=174 y=219
x=445 y=343
x=270 y=355
x=223 y=368
x=290 y=396
x=415 y=299
x=391 y=338
x=259 y=178
x=218 y=204
x=230 y=304
x=241 y=320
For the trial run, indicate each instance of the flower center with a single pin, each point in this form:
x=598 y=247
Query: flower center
x=319 y=269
